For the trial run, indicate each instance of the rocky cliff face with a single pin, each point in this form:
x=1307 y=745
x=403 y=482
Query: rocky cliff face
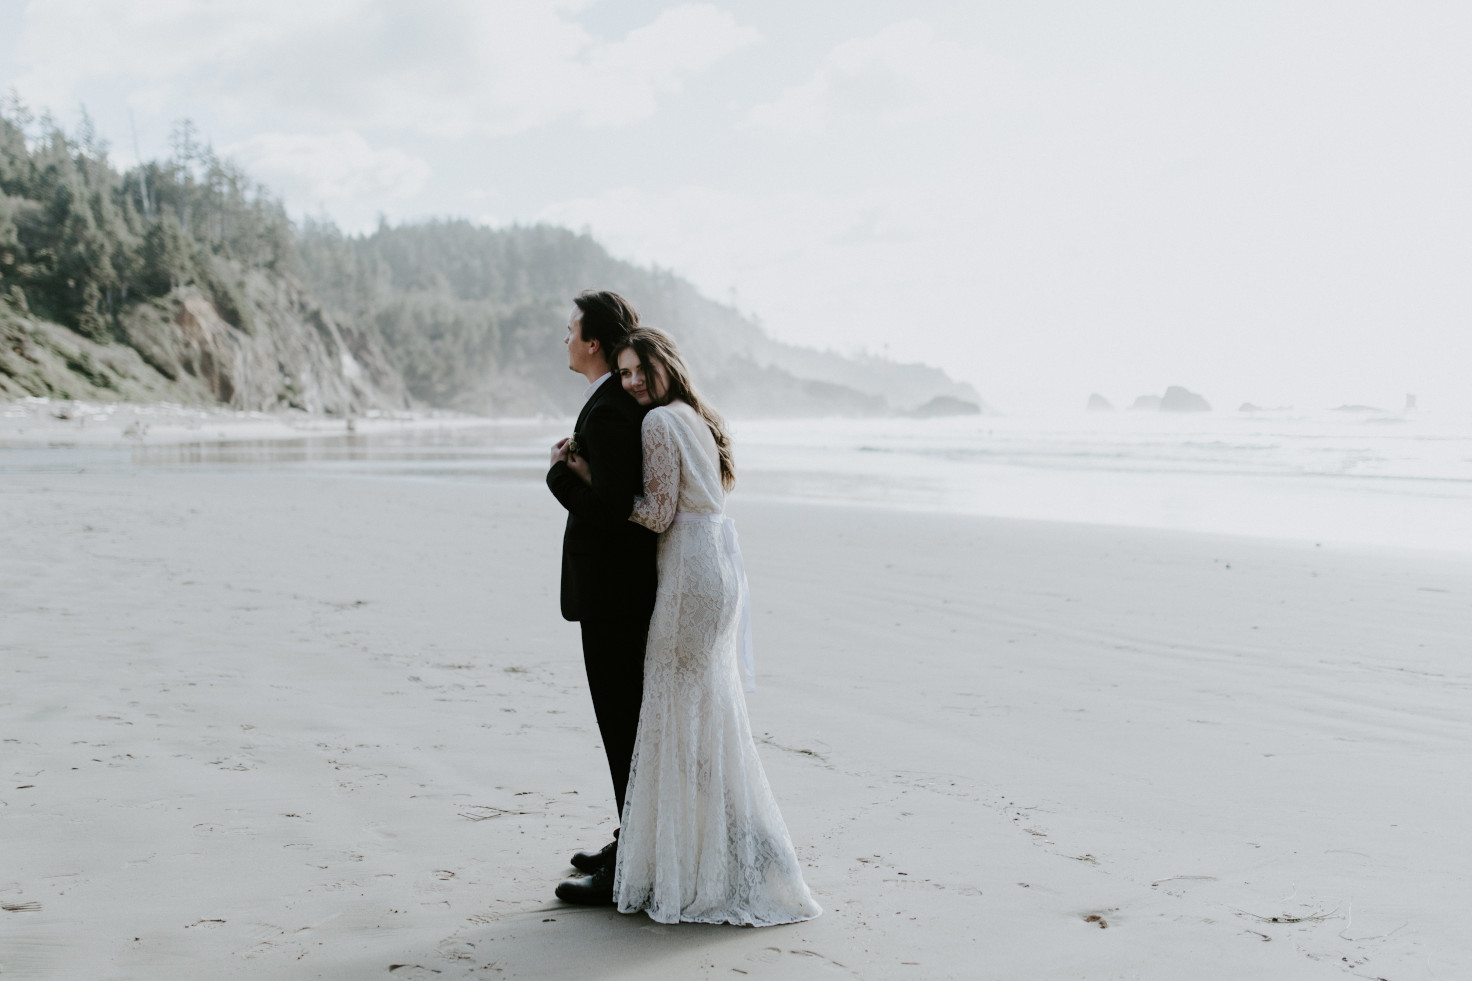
x=381 y=335
x=287 y=353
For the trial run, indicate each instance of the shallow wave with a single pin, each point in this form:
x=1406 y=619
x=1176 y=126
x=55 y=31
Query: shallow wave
x=1328 y=477
x=1334 y=477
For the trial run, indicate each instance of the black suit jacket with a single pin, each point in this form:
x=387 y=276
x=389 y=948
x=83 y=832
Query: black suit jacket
x=607 y=560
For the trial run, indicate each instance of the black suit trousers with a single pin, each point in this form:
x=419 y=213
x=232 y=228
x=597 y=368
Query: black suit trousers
x=613 y=654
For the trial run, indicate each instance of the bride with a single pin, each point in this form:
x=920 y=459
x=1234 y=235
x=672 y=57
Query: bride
x=701 y=839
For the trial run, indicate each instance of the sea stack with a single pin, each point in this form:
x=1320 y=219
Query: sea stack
x=1178 y=399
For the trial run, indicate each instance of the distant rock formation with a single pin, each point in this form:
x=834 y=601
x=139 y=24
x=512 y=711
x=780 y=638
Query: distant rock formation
x=1178 y=399
x=751 y=391
x=1098 y=403
x=1356 y=408
x=1175 y=399
x=719 y=339
x=945 y=405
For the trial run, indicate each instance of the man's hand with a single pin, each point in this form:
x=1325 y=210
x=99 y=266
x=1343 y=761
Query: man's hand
x=607 y=442
x=579 y=466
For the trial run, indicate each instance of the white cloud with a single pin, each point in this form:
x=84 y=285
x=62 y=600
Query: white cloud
x=154 y=45
x=902 y=72
x=451 y=68
x=311 y=169
x=625 y=77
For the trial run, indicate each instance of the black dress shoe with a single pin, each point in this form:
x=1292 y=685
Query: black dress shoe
x=588 y=890
x=593 y=861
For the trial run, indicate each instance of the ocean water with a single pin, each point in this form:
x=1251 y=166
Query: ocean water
x=1369 y=478
x=1362 y=477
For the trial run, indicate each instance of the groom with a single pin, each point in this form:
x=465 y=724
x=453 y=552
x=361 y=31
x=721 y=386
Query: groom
x=608 y=574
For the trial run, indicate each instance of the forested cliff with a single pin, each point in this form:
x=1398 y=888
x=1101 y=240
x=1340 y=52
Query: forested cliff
x=183 y=280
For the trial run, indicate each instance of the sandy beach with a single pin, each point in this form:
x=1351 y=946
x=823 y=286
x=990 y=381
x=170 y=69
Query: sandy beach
x=280 y=725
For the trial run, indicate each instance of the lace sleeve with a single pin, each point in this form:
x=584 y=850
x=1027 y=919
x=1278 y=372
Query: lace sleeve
x=656 y=509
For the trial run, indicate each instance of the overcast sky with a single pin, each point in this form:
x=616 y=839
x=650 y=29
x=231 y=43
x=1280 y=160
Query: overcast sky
x=1261 y=201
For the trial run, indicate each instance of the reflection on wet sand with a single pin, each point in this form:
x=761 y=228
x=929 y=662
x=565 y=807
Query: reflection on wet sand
x=516 y=451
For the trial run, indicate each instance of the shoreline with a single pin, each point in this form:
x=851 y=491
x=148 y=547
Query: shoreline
x=324 y=727
x=34 y=423
x=1366 y=511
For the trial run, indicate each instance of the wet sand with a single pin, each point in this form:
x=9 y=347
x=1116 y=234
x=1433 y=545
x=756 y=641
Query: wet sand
x=278 y=725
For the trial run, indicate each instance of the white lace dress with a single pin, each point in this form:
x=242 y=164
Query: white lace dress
x=702 y=839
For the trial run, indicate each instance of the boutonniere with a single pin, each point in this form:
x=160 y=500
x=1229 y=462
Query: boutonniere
x=574 y=447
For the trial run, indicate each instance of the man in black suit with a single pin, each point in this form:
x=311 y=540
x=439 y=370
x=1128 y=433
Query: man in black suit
x=608 y=574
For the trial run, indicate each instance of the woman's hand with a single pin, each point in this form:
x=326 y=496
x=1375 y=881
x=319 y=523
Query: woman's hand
x=579 y=466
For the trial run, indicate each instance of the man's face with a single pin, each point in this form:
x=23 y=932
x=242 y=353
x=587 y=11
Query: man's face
x=581 y=354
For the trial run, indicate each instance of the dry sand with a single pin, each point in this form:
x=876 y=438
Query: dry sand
x=266 y=725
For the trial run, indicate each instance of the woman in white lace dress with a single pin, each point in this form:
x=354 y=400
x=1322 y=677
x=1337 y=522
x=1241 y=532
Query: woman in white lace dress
x=701 y=839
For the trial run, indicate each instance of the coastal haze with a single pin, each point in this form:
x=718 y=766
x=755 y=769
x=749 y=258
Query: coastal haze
x=1262 y=202
x=1096 y=379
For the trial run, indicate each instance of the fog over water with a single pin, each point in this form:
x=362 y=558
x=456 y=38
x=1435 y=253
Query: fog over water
x=1378 y=480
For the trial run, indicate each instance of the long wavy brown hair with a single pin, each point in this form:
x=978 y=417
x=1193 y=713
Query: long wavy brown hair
x=653 y=345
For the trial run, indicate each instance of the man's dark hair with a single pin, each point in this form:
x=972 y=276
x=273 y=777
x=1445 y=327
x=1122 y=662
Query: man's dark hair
x=607 y=319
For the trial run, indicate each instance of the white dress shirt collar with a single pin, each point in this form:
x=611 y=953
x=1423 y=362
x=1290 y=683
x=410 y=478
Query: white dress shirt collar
x=594 y=387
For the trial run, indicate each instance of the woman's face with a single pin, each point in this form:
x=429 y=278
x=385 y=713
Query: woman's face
x=647 y=388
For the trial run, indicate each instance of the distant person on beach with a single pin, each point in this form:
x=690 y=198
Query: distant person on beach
x=608 y=576
x=701 y=839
